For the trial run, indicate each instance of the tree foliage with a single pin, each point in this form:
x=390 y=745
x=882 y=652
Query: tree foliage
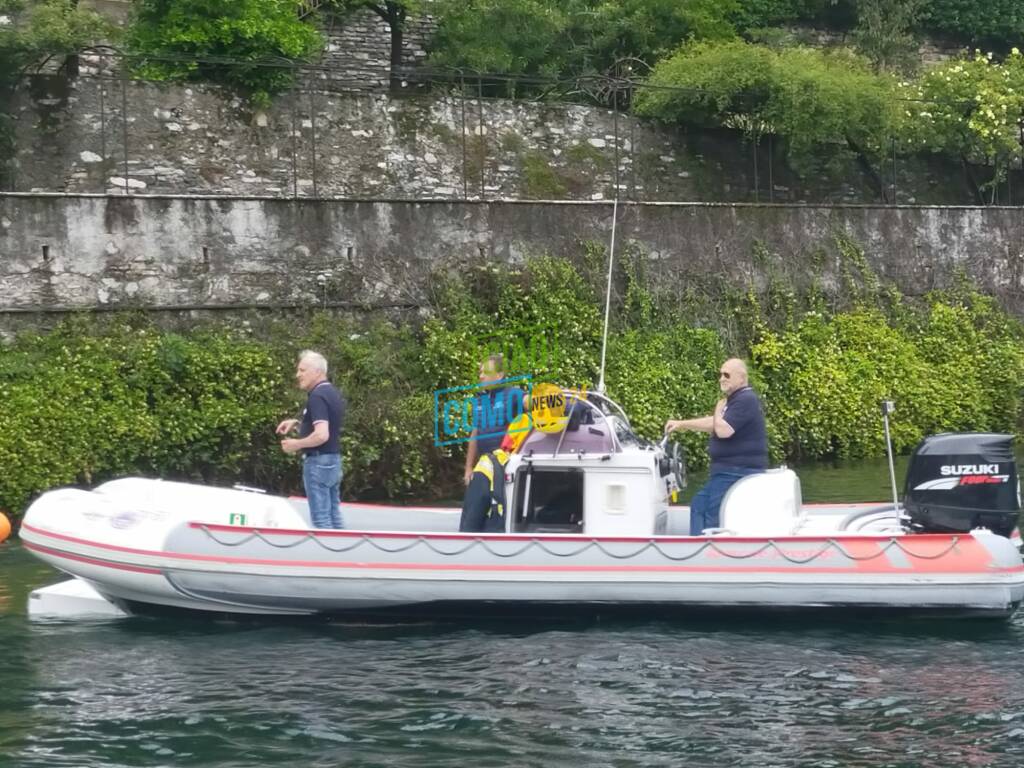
x=518 y=37
x=247 y=44
x=49 y=27
x=987 y=22
x=885 y=33
x=819 y=101
x=573 y=37
x=752 y=15
x=650 y=29
x=969 y=108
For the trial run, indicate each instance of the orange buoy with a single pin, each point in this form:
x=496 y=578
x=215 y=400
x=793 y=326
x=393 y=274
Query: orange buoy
x=5 y=527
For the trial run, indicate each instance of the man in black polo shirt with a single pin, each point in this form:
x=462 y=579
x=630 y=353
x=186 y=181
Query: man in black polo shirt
x=319 y=430
x=738 y=446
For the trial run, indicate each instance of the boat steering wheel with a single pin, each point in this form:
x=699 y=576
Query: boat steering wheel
x=678 y=463
x=677 y=460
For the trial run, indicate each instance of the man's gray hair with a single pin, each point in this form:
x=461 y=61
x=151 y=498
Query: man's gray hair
x=315 y=359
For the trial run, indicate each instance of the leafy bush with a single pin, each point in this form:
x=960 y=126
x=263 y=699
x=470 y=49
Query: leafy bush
x=44 y=28
x=822 y=382
x=947 y=368
x=546 y=292
x=821 y=102
x=543 y=37
x=756 y=14
x=87 y=402
x=968 y=108
x=518 y=37
x=656 y=375
x=247 y=44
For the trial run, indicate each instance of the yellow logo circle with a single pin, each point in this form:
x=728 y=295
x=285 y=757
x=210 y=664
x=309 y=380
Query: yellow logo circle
x=547 y=408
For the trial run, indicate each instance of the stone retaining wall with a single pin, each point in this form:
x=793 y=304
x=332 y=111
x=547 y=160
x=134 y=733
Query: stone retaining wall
x=85 y=252
x=100 y=133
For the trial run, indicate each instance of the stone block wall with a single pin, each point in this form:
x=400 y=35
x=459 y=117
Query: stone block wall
x=102 y=133
x=358 y=51
x=177 y=253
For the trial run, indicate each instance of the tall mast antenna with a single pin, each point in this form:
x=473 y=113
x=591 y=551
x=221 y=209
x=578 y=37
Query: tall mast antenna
x=608 y=292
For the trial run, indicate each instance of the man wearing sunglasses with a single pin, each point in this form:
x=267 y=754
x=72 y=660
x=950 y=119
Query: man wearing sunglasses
x=738 y=446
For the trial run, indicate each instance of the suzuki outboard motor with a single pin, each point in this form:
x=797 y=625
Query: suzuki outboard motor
x=957 y=482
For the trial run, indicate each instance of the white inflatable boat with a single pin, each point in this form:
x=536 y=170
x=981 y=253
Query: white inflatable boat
x=590 y=526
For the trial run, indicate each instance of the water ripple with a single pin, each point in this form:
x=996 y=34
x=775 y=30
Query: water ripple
x=154 y=692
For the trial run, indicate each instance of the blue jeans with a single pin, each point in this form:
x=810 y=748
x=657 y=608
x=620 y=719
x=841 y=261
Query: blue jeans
x=707 y=502
x=321 y=474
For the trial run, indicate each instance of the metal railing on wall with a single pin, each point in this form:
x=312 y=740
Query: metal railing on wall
x=603 y=153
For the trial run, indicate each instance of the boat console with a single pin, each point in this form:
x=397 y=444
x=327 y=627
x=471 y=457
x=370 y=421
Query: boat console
x=595 y=476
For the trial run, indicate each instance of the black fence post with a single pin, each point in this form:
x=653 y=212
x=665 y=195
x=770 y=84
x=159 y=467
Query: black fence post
x=312 y=125
x=757 y=182
x=462 y=98
x=480 y=129
x=615 y=131
x=895 y=188
x=632 y=143
x=103 y=129
x=1009 y=181
x=295 y=144
x=124 y=121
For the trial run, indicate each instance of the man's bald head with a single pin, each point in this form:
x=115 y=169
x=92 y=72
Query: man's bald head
x=732 y=375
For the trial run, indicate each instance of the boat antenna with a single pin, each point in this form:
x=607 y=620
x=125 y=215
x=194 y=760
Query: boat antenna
x=888 y=406
x=608 y=292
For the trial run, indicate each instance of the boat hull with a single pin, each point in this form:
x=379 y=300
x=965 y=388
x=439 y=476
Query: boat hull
x=293 y=572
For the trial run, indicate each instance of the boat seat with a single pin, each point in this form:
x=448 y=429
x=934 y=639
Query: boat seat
x=765 y=504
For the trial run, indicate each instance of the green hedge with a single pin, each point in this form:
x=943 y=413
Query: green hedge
x=955 y=365
x=87 y=402
x=93 y=400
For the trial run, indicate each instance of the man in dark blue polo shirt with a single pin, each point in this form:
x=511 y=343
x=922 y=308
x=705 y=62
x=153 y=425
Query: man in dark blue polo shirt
x=738 y=447
x=319 y=433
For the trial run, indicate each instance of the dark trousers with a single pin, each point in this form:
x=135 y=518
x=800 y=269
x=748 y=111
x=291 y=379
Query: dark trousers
x=476 y=506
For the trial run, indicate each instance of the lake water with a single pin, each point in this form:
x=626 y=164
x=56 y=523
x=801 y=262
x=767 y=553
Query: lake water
x=711 y=691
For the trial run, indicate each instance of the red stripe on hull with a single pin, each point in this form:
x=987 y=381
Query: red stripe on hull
x=91 y=561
